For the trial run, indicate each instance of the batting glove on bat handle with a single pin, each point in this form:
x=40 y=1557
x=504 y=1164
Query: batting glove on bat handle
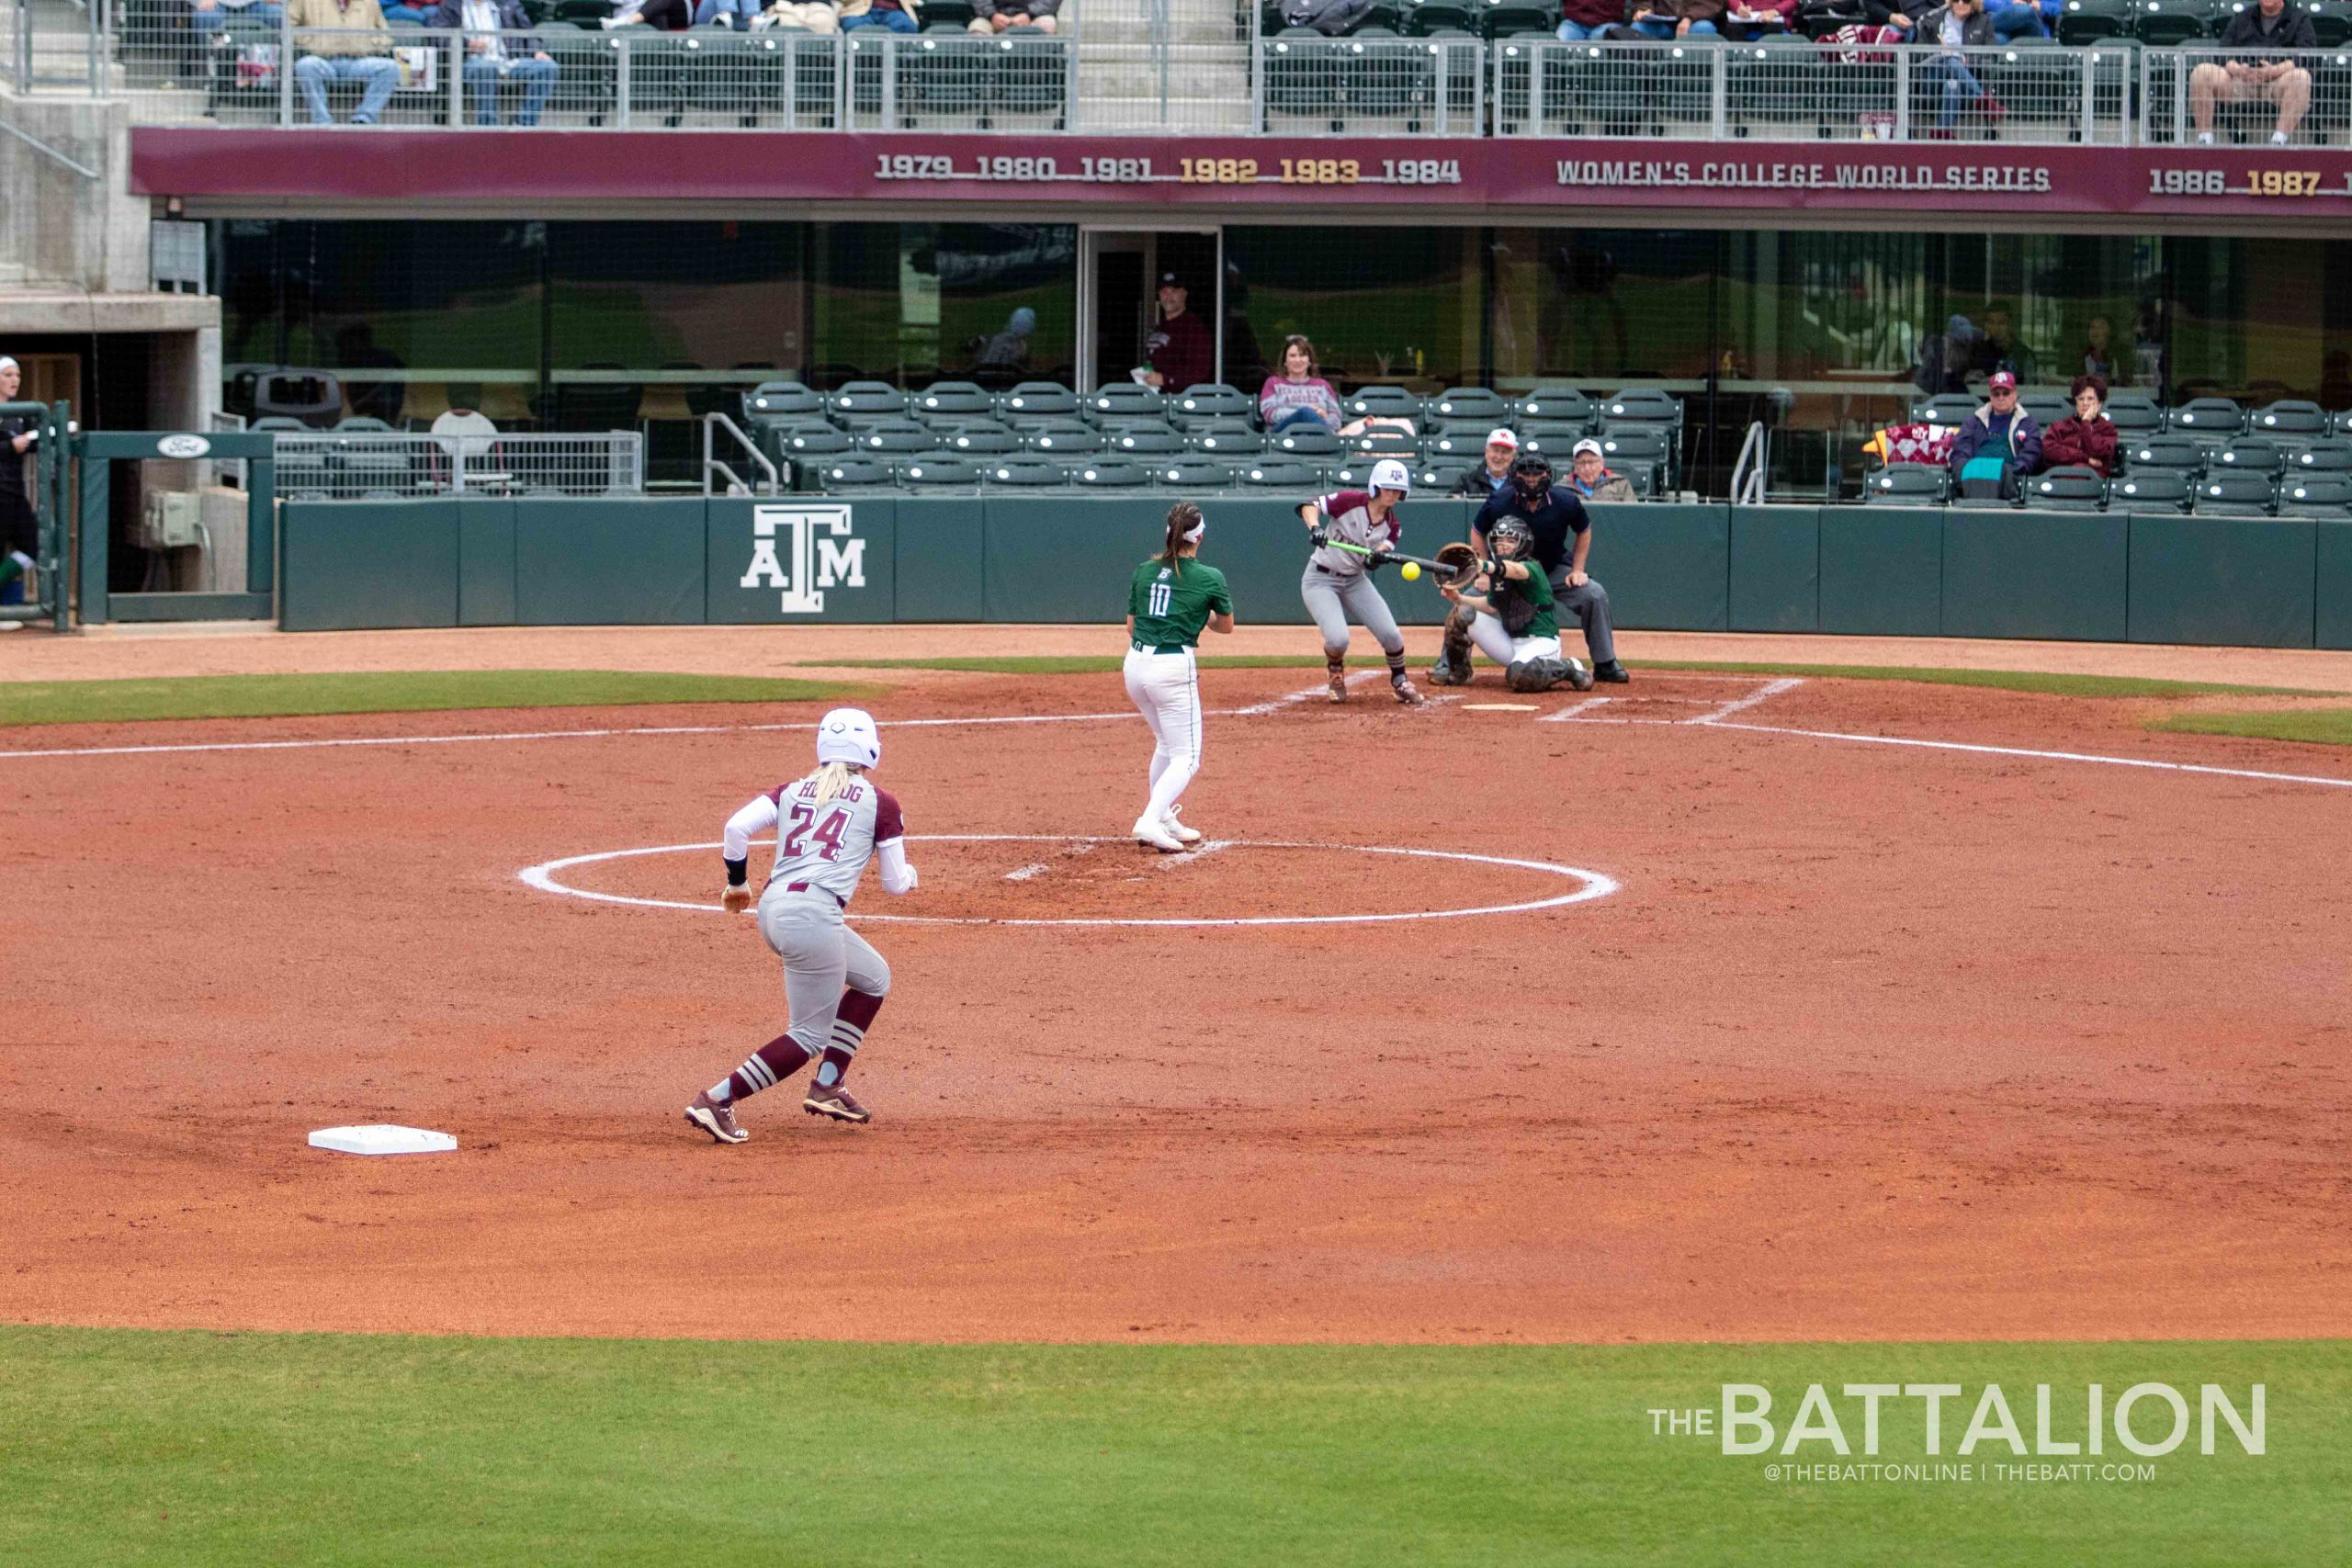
x=1318 y=538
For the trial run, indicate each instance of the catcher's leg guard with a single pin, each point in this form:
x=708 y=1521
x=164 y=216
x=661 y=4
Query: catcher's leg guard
x=1540 y=674
x=1453 y=666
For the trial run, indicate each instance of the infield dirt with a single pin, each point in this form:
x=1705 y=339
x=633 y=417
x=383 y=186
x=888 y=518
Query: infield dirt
x=1874 y=1043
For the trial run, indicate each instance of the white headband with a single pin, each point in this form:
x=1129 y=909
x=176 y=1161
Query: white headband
x=1193 y=537
x=8 y=364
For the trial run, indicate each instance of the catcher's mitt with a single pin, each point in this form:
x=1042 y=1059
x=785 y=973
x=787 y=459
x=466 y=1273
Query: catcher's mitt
x=1459 y=563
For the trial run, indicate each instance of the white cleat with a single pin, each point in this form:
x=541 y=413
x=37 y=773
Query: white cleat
x=1157 y=837
x=1188 y=834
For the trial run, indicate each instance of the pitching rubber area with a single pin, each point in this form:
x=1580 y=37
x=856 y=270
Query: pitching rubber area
x=1712 y=1007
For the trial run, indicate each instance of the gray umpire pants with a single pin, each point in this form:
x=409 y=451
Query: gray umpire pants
x=1334 y=600
x=1589 y=605
x=820 y=955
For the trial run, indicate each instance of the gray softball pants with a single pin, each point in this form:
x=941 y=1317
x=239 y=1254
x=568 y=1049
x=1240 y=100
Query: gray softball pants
x=820 y=955
x=1334 y=601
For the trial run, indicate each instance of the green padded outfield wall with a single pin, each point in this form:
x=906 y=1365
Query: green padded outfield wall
x=608 y=562
x=1775 y=569
x=2035 y=574
x=1882 y=570
x=353 y=565
x=2333 y=608
x=2239 y=582
x=486 y=563
x=796 y=560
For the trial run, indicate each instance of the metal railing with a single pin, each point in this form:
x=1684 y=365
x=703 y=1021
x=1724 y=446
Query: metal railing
x=55 y=45
x=2243 y=95
x=348 y=466
x=1793 y=89
x=1343 y=85
x=715 y=467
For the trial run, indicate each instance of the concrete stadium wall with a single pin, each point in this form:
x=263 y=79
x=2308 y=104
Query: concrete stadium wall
x=1921 y=572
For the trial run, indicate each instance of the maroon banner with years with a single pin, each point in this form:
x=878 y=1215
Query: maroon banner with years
x=1236 y=174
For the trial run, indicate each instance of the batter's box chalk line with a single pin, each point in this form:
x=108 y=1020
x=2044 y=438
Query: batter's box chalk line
x=1591 y=884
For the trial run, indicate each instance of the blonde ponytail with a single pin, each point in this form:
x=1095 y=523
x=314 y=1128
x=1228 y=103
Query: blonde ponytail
x=832 y=778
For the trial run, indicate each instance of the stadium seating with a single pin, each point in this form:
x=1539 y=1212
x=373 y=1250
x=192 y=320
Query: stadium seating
x=1025 y=471
x=1199 y=405
x=1563 y=406
x=1126 y=402
x=944 y=403
x=2234 y=495
x=1439 y=478
x=2066 y=489
x=2325 y=455
x=1909 y=484
x=981 y=440
x=1148 y=441
x=1470 y=405
x=862 y=402
x=1110 y=473
x=1227 y=438
x=2249 y=454
x=2288 y=417
x=896 y=438
x=2047 y=405
x=2208 y=418
x=2320 y=495
x=2154 y=489
x=782 y=400
x=1278 y=474
x=1946 y=408
x=2181 y=452
x=1064 y=440
x=853 y=473
x=1034 y=400
x=940 y=471
x=1193 y=473
x=2133 y=414
x=1314 y=442
x=1465 y=442
x=1382 y=403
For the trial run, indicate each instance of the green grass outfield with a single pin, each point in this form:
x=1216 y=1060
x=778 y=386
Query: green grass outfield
x=2319 y=727
x=125 y=1447
x=276 y=696
x=2001 y=680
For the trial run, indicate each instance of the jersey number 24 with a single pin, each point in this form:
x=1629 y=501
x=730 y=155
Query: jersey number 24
x=828 y=832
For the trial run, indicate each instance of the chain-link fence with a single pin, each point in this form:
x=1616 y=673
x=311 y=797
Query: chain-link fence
x=1375 y=84
x=2197 y=93
x=368 y=465
x=1794 y=88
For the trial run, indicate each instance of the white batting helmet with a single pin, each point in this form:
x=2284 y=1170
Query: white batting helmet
x=1390 y=474
x=847 y=735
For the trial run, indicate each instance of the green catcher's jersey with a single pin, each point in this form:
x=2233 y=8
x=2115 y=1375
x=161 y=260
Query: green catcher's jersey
x=1171 y=603
x=1535 y=590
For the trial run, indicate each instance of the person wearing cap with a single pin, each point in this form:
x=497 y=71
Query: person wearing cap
x=1182 y=350
x=1491 y=476
x=1352 y=531
x=1998 y=445
x=1562 y=533
x=1591 y=477
x=19 y=530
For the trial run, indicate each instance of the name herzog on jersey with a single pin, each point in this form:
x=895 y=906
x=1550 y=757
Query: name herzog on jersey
x=827 y=843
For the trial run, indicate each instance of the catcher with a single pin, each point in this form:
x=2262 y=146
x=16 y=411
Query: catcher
x=1512 y=620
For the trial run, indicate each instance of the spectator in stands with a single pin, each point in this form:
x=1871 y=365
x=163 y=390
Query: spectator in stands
x=996 y=16
x=2098 y=350
x=2271 y=78
x=1745 y=19
x=492 y=62
x=1945 y=359
x=2086 y=438
x=1299 y=395
x=357 y=48
x=899 y=15
x=206 y=16
x=1958 y=25
x=1665 y=19
x=1593 y=479
x=1005 y=357
x=2002 y=351
x=1998 y=444
x=1581 y=19
x=1490 y=477
x=1181 y=351
x=668 y=16
x=19 y=529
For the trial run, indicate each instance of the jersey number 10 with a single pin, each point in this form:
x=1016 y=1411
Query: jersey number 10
x=827 y=836
x=1162 y=595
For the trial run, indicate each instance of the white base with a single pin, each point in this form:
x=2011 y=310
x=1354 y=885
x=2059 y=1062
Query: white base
x=382 y=1138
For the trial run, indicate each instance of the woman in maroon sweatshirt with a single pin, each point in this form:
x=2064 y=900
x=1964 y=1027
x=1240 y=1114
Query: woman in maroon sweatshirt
x=2084 y=439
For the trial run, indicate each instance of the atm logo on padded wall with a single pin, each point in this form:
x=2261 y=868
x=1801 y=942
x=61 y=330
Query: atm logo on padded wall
x=803 y=550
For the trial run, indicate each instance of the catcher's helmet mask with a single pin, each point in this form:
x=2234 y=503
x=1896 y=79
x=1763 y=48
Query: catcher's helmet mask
x=1512 y=531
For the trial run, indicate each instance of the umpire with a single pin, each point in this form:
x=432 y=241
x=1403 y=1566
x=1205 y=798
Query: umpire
x=1554 y=515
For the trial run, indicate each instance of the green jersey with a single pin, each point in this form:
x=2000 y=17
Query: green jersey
x=1525 y=605
x=1171 y=603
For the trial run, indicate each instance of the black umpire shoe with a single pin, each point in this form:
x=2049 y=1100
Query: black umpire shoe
x=1610 y=672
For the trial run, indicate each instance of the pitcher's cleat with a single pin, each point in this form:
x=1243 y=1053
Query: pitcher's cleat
x=716 y=1120
x=834 y=1102
x=1177 y=829
x=1157 y=836
x=1405 y=692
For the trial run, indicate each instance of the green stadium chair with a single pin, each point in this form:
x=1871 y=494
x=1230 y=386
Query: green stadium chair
x=2289 y=416
x=1423 y=17
x=1226 y=438
x=1558 y=405
x=1545 y=439
x=2331 y=22
x=2236 y=495
x=895 y=437
x=2154 y=490
x=862 y=402
x=1783 y=79
x=1945 y=408
x=2249 y=454
x=1031 y=402
x=2208 y=418
x=2094 y=21
x=952 y=403
x=1514 y=18
x=2133 y=414
x=1065 y=440
x=2047 y=405
x=2066 y=489
x=1464 y=442
x=1381 y=442
x=1642 y=405
x=1025 y=471
x=2166 y=23
x=1276 y=474
x=814 y=443
x=2318 y=495
x=1439 y=478
x=1125 y=402
x=1907 y=484
x=940 y=471
x=2328 y=456
x=1148 y=442
x=1210 y=401
x=1303 y=70
x=1030 y=75
x=851 y=473
x=1382 y=403
x=2179 y=453
x=1111 y=473
x=1470 y=405
x=1193 y=473
x=1310 y=442
x=1629 y=447
x=981 y=440
x=956 y=14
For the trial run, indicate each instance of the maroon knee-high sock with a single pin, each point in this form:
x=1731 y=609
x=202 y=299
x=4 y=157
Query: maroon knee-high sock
x=851 y=1021
x=767 y=1066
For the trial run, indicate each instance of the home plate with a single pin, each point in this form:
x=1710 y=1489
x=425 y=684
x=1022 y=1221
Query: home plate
x=1502 y=707
x=382 y=1138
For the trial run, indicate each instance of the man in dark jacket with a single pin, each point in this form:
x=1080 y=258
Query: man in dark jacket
x=1999 y=433
x=2273 y=78
x=492 y=61
x=1958 y=25
x=1182 y=351
x=1488 y=479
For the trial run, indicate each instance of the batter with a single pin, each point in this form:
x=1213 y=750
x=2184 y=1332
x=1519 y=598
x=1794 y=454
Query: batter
x=830 y=824
x=1338 y=586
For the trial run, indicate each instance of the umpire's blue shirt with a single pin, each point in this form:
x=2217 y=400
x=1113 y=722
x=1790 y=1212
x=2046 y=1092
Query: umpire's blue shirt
x=1555 y=522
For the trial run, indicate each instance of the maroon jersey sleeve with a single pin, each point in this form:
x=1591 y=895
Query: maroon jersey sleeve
x=889 y=822
x=1345 y=500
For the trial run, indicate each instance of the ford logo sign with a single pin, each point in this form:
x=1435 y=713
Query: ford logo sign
x=183 y=446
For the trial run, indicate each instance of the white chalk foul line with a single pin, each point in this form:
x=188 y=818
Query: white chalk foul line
x=1770 y=690
x=2043 y=756
x=1593 y=884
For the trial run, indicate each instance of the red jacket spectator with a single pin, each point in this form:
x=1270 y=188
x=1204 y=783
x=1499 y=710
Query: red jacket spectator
x=2090 y=444
x=1593 y=15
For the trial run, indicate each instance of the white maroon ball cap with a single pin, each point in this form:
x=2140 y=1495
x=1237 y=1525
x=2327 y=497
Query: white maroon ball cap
x=847 y=735
x=1390 y=474
x=1502 y=438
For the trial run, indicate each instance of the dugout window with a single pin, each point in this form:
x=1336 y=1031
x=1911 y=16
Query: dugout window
x=1118 y=273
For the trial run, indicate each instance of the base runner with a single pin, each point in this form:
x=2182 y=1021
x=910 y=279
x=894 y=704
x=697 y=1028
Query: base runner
x=1512 y=620
x=1169 y=599
x=830 y=823
x=1338 y=586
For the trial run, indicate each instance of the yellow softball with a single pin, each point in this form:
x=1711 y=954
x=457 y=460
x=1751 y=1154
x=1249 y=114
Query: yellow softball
x=1413 y=572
